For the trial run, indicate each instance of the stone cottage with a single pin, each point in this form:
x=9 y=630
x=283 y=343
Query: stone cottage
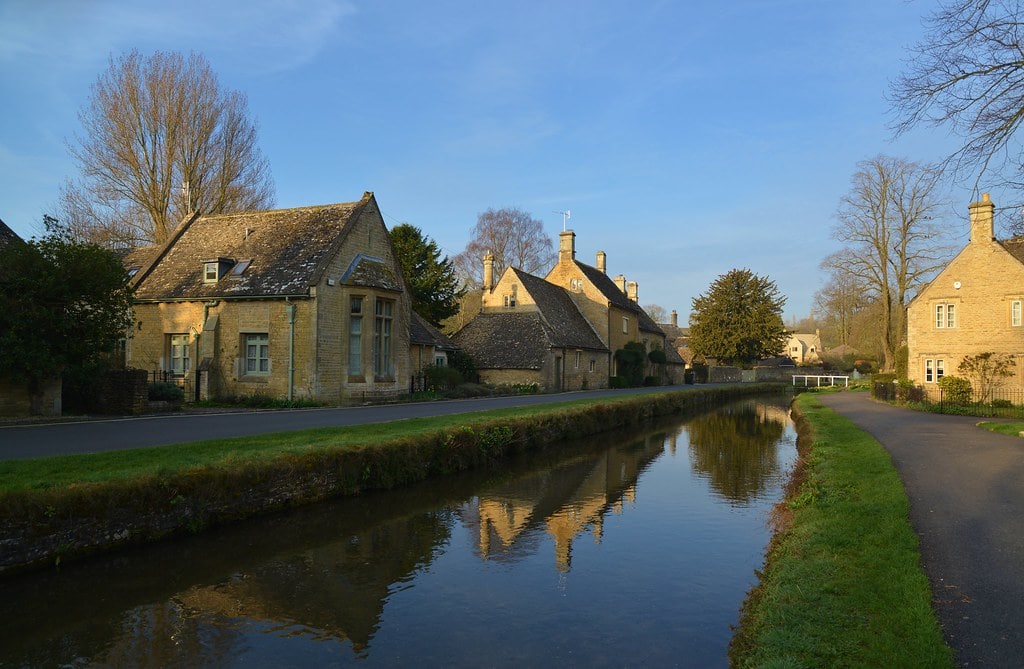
x=974 y=305
x=307 y=302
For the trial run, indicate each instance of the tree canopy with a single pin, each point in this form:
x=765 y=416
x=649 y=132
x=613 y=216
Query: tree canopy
x=514 y=237
x=160 y=139
x=431 y=277
x=62 y=304
x=739 y=319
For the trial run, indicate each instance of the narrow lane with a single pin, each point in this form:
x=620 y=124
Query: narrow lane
x=19 y=442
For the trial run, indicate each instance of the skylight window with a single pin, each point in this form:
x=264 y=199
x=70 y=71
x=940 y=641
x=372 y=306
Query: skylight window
x=132 y=271
x=240 y=267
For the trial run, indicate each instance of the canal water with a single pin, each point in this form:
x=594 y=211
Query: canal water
x=629 y=550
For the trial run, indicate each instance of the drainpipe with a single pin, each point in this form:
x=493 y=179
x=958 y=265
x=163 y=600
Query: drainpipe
x=291 y=348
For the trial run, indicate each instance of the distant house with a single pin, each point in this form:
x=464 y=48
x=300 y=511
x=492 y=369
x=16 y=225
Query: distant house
x=429 y=346
x=530 y=331
x=974 y=305
x=804 y=348
x=560 y=331
x=292 y=303
x=677 y=339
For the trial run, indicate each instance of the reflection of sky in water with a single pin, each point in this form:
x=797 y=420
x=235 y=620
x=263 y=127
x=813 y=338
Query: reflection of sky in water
x=623 y=554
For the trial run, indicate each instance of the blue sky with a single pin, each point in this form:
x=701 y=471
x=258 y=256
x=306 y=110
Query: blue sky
x=686 y=138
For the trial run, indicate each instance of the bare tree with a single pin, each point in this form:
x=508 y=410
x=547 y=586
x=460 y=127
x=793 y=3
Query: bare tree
x=658 y=313
x=891 y=243
x=514 y=237
x=161 y=139
x=837 y=303
x=968 y=74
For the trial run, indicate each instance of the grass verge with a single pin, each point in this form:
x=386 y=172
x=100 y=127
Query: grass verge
x=1013 y=429
x=842 y=585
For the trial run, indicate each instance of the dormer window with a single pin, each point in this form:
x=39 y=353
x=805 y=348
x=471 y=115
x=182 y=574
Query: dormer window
x=213 y=270
x=210 y=273
x=132 y=271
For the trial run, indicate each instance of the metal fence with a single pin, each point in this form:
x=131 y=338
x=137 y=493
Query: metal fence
x=997 y=403
x=183 y=382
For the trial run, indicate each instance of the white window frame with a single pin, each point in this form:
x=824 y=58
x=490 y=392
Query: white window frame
x=929 y=370
x=211 y=272
x=256 y=354
x=950 y=316
x=383 y=324
x=1015 y=313
x=179 y=358
x=579 y=355
x=940 y=369
x=625 y=325
x=355 y=335
x=940 y=316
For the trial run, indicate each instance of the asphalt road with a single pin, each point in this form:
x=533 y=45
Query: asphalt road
x=18 y=442
x=966 y=491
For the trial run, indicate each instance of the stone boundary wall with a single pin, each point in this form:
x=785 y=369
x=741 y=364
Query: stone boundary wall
x=41 y=528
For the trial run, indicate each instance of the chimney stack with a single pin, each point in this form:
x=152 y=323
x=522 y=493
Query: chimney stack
x=675 y=319
x=631 y=291
x=566 y=246
x=602 y=260
x=488 y=272
x=620 y=281
x=982 y=214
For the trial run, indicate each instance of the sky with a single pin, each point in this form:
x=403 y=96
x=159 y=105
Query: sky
x=687 y=139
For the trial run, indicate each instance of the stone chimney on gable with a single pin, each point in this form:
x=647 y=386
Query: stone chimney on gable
x=602 y=261
x=631 y=291
x=566 y=247
x=620 y=281
x=675 y=319
x=488 y=272
x=982 y=214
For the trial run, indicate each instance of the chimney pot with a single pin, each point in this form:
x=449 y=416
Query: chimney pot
x=981 y=216
x=602 y=260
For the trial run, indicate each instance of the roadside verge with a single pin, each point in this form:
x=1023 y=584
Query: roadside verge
x=842 y=583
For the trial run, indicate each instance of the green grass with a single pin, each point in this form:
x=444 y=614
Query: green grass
x=165 y=461
x=843 y=585
x=1013 y=429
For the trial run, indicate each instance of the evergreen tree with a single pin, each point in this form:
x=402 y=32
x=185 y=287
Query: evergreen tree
x=431 y=278
x=738 y=320
x=63 y=305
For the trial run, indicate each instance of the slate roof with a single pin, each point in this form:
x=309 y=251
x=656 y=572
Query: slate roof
x=566 y=326
x=7 y=235
x=616 y=297
x=523 y=339
x=1015 y=247
x=424 y=334
x=288 y=250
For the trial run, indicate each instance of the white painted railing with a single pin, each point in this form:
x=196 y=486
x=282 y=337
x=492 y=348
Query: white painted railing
x=831 y=379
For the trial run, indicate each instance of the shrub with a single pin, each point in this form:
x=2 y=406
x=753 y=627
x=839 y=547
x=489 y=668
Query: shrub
x=955 y=389
x=617 y=382
x=630 y=359
x=442 y=378
x=165 y=391
x=1002 y=404
x=652 y=380
x=657 y=356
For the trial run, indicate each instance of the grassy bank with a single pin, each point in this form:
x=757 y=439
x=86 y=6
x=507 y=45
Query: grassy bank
x=843 y=584
x=55 y=508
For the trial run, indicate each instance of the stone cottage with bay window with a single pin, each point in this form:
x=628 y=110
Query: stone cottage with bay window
x=307 y=302
x=974 y=305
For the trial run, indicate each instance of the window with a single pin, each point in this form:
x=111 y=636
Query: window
x=132 y=271
x=240 y=268
x=593 y=365
x=382 y=323
x=210 y=272
x=625 y=325
x=1015 y=318
x=945 y=316
x=934 y=370
x=179 y=357
x=355 y=336
x=257 y=354
x=579 y=354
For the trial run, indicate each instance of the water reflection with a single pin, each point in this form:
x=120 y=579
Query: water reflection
x=736 y=448
x=375 y=580
x=565 y=501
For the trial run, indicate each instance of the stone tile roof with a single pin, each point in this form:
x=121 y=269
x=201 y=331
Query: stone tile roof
x=618 y=298
x=7 y=235
x=424 y=334
x=511 y=340
x=1015 y=247
x=288 y=250
x=566 y=326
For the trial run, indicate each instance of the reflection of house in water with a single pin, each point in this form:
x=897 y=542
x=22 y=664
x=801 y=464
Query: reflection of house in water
x=335 y=591
x=565 y=501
